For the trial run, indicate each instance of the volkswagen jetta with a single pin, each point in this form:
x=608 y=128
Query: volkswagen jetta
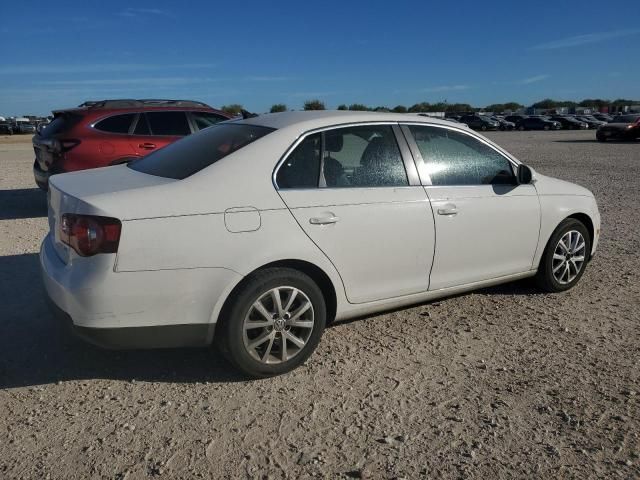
x=255 y=233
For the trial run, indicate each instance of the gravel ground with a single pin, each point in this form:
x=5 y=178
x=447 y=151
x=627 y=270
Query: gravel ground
x=505 y=382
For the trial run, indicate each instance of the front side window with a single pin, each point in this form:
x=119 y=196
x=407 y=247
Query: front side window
x=193 y=153
x=116 y=123
x=455 y=158
x=170 y=124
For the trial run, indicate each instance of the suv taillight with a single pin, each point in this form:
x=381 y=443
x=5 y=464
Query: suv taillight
x=90 y=234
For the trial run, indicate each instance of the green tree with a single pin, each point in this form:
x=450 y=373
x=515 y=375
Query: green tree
x=399 y=109
x=314 y=105
x=358 y=107
x=546 y=103
x=278 y=107
x=419 y=107
x=381 y=109
x=343 y=107
x=232 y=109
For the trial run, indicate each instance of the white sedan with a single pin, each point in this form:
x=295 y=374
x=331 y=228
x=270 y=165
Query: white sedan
x=257 y=232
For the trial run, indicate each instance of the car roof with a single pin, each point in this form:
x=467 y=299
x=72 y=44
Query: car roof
x=310 y=120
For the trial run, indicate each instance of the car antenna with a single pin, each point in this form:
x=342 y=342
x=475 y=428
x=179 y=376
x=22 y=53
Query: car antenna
x=246 y=114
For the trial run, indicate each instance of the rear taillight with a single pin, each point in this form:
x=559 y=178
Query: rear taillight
x=90 y=234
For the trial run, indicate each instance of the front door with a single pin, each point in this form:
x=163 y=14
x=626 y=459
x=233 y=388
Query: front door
x=349 y=190
x=487 y=225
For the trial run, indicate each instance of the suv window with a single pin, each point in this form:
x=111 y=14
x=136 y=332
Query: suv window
x=116 y=123
x=171 y=124
x=455 y=158
x=206 y=119
x=190 y=155
x=142 y=127
x=302 y=167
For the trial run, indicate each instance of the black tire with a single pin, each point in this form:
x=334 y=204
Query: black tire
x=601 y=138
x=521 y=128
x=546 y=127
x=545 y=278
x=483 y=128
x=229 y=336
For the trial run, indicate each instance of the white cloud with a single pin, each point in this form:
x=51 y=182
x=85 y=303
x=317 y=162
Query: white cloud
x=95 y=68
x=266 y=78
x=141 y=12
x=534 y=79
x=588 y=38
x=154 y=81
x=446 y=88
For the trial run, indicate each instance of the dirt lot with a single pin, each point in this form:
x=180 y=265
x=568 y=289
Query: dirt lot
x=502 y=383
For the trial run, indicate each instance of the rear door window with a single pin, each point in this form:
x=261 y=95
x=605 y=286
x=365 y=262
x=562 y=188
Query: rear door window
x=116 y=123
x=142 y=127
x=170 y=124
x=302 y=167
x=190 y=155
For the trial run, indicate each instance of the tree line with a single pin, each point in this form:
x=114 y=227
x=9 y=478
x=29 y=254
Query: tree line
x=425 y=107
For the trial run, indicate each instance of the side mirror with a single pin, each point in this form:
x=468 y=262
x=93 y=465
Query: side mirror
x=524 y=174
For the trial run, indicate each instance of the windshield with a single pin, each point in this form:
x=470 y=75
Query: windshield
x=193 y=153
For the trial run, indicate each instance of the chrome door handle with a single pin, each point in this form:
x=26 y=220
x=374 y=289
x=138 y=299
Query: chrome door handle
x=448 y=210
x=324 y=220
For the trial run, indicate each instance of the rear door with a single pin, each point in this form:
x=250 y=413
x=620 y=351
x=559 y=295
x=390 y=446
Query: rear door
x=355 y=192
x=487 y=225
x=157 y=129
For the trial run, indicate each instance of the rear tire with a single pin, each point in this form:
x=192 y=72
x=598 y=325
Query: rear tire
x=546 y=127
x=565 y=257
x=262 y=339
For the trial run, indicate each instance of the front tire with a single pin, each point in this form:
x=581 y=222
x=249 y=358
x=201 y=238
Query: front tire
x=565 y=257
x=273 y=324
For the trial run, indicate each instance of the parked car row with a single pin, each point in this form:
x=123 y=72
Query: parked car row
x=21 y=127
x=484 y=122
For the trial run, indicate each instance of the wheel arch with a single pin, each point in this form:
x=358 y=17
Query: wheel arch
x=582 y=217
x=317 y=274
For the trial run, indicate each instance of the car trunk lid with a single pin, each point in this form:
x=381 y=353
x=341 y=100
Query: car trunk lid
x=87 y=192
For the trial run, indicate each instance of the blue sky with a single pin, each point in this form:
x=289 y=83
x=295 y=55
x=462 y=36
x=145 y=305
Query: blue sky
x=59 y=53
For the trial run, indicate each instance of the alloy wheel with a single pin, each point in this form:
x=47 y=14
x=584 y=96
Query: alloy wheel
x=278 y=325
x=568 y=257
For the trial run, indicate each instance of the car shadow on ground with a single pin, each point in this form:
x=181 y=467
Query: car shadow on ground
x=37 y=350
x=521 y=287
x=22 y=203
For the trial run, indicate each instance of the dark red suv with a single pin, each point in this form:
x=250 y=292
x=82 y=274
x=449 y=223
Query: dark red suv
x=108 y=132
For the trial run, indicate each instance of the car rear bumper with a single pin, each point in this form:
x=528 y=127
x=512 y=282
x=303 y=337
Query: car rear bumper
x=41 y=177
x=136 y=309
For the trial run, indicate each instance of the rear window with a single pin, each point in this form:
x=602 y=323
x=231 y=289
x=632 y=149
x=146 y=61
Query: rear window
x=185 y=157
x=60 y=124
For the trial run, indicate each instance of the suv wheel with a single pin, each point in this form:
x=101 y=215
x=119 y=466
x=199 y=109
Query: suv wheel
x=274 y=323
x=565 y=257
